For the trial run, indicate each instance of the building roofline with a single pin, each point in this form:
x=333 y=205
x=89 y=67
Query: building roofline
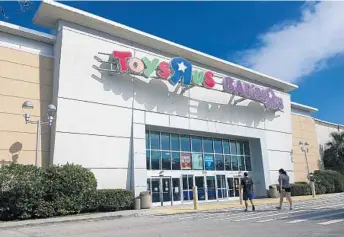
x=26 y=32
x=50 y=12
x=329 y=123
x=303 y=107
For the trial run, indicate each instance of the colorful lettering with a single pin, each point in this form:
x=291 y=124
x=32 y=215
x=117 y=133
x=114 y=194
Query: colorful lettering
x=239 y=89
x=248 y=90
x=136 y=65
x=197 y=77
x=181 y=71
x=150 y=66
x=228 y=85
x=209 y=81
x=122 y=58
x=163 y=70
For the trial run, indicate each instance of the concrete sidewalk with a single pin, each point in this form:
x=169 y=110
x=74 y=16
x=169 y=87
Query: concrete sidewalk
x=223 y=204
x=75 y=218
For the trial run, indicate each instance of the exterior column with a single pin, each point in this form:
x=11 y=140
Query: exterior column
x=139 y=168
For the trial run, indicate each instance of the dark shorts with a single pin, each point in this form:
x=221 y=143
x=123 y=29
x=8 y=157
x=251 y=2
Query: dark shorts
x=287 y=190
x=247 y=196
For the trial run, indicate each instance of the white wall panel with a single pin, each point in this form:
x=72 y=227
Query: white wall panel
x=92 y=151
x=89 y=118
x=112 y=178
x=278 y=141
x=280 y=160
x=80 y=80
x=139 y=116
x=157 y=119
x=139 y=130
x=139 y=145
x=179 y=122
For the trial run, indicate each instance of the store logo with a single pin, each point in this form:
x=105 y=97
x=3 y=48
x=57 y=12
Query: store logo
x=179 y=70
x=266 y=96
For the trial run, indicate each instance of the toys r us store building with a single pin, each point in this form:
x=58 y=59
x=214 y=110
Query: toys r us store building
x=145 y=113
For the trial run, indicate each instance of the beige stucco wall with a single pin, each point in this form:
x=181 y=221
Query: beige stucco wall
x=304 y=129
x=23 y=76
x=324 y=130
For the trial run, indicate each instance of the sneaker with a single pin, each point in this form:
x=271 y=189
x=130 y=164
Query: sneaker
x=245 y=210
x=290 y=208
x=278 y=208
x=253 y=208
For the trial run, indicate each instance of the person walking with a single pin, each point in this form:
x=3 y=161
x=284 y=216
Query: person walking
x=285 y=191
x=247 y=187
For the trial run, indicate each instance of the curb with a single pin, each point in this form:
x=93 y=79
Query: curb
x=67 y=219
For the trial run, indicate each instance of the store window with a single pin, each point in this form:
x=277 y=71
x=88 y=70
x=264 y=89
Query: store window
x=172 y=151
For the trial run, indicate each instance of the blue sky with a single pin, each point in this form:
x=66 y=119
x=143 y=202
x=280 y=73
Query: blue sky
x=299 y=42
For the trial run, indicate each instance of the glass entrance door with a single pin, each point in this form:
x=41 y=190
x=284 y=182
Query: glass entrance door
x=211 y=189
x=155 y=190
x=188 y=187
x=221 y=186
x=166 y=190
x=176 y=189
x=231 y=187
x=199 y=181
x=236 y=182
x=161 y=189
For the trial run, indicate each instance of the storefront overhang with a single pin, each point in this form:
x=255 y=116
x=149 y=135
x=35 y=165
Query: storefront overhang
x=303 y=107
x=26 y=33
x=50 y=12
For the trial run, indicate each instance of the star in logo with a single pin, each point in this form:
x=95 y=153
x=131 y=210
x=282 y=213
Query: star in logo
x=181 y=67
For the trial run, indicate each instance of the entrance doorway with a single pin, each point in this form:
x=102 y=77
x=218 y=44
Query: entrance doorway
x=164 y=190
x=199 y=181
x=211 y=188
x=188 y=184
x=233 y=187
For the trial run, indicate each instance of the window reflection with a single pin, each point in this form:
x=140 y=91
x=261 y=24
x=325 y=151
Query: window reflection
x=235 y=163
x=185 y=143
x=164 y=152
x=218 y=146
x=208 y=145
x=155 y=160
x=196 y=144
x=155 y=140
x=233 y=147
x=175 y=142
x=175 y=161
x=166 y=160
x=219 y=162
x=165 y=141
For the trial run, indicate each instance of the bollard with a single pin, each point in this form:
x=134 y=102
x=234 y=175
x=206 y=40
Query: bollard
x=313 y=189
x=195 y=199
x=240 y=193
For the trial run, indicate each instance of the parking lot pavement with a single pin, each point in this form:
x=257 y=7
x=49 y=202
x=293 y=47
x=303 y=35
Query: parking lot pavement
x=313 y=218
x=323 y=211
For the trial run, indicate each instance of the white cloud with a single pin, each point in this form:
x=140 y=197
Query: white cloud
x=291 y=50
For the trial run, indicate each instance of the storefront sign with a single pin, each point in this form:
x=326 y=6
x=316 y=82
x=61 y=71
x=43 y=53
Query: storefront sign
x=179 y=70
x=186 y=161
x=197 y=161
x=209 y=162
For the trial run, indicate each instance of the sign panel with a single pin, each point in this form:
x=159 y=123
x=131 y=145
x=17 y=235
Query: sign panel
x=186 y=161
x=179 y=70
x=197 y=161
x=209 y=162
